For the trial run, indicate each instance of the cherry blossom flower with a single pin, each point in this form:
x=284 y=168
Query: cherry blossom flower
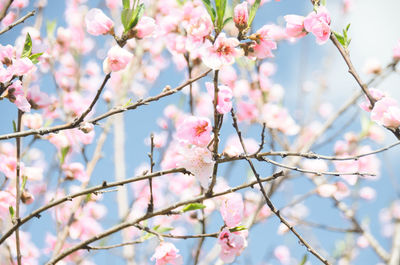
x=318 y=23
x=376 y=94
x=17 y=96
x=232 y=209
x=224 y=104
x=75 y=170
x=167 y=253
x=282 y=253
x=246 y=111
x=145 y=27
x=97 y=23
x=32 y=121
x=231 y=244
x=195 y=130
x=198 y=161
x=222 y=52
x=241 y=15
x=117 y=59
x=386 y=112
x=295 y=26
x=233 y=146
x=22 y=66
x=277 y=117
x=264 y=43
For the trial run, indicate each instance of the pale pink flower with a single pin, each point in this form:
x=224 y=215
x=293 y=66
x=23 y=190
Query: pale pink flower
x=372 y=66
x=241 y=15
x=232 y=209
x=22 y=66
x=231 y=244
x=117 y=59
x=295 y=26
x=199 y=28
x=37 y=98
x=362 y=242
x=75 y=170
x=246 y=111
x=376 y=94
x=20 y=3
x=233 y=146
x=198 y=161
x=7 y=199
x=6 y=54
x=396 y=51
x=277 y=117
x=326 y=190
x=264 y=44
x=282 y=254
x=145 y=27
x=195 y=130
x=267 y=69
x=224 y=104
x=5 y=74
x=367 y=193
x=8 y=19
x=386 y=112
x=222 y=52
x=318 y=23
x=167 y=253
x=32 y=121
x=17 y=96
x=227 y=75
x=97 y=23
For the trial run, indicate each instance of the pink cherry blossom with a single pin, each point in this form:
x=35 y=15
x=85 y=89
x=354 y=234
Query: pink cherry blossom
x=367 y=193
x=117 y=59
x=318 y=23
x=233 y=146
x=145 y=27
x=22 y=66
x=224 y=104
x=282 y=253
x=75 y=170
x=195 y=130
x=97 y=23
x=246 y=111
x=17 y=96
x=6 y=54
x=222 y=52
x=376 y=94
x=8 y=19
x=33 y=121
x=231 y=244
x=386 y=112
x=277 y=117
x=167 y=253
x=241 y=15
x=295 y=26
x=232 y=209
x=264 y=44
x=198 y=161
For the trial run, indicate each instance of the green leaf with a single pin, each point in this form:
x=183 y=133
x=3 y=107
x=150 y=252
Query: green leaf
x=237 y=228
x=193 y=206
x=11 y=210
x=161 y=230
x=221 y=7
x=34 y=57
x=126 y=4
x=136 y=16
x=253 y=12
x=323 y=2
x=64 y=152
x=126 y=14
x=226 y=21
x=339 y=37
x=210 y=9
x=27 y=46
x=14 y=126
x=24 y=179
x=50 y=28
x=304 y=260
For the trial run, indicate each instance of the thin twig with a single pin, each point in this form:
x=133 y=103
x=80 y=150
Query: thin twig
x=163 y=211
x=19 y=21
x=150 y=206
x=269 y=202
x=113 y=111
x=18 y=188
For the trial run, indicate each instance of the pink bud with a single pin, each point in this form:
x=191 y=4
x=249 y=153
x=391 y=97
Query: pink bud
x=241 y=15
x=117 y=59
x=295 y=26
x=145 y=27
x=97 y=23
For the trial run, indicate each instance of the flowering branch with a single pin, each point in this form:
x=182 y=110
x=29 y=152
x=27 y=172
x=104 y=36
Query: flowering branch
x=113 y=111
x=19 y=21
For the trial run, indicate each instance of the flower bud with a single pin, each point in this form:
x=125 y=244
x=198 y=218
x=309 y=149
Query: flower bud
x=241 y=16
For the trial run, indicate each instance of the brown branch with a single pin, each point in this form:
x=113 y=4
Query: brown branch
x=93 y=190
x=113 y=111
x=165 y=210
x=5 y=9
x=19 y=21
x=269 y=202
x=18 y=187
